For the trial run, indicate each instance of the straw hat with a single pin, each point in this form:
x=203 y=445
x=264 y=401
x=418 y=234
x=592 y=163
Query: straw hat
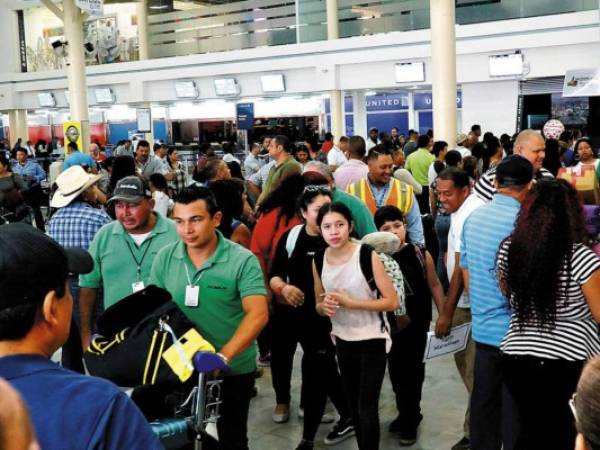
x=71 y=183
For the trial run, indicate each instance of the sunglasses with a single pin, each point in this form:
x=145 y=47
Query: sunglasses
x=317 y=188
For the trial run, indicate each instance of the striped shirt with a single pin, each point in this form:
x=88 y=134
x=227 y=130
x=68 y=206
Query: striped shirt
x=484 y=188
x=483 y=232
x=574 y=336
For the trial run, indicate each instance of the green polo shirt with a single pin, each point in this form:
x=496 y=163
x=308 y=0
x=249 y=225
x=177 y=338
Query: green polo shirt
x=115 y=253
x=418 y=164
x=278 y=173
x=229 y=275
x=363 y=219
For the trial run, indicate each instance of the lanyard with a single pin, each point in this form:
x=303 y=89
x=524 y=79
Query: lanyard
x=139 y=263
x=187 y=274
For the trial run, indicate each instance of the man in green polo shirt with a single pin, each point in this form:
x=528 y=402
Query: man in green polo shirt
x=418 y=164
x=285 y=165
x=123 y=250
x=219 y=286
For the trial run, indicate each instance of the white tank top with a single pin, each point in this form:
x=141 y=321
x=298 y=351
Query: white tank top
x=352 y=324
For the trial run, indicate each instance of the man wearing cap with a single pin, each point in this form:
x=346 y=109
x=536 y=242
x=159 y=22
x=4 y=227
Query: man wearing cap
x=530 y=145
x=493 y=413
x=219 y=286
x=461 y=141
x=123 y=250
x=74 y=225
x=69 y=411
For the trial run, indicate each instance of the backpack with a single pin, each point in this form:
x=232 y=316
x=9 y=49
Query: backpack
x=292 y=238
x=397 y=319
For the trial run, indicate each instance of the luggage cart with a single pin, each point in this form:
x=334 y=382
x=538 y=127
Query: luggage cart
x=200 y=409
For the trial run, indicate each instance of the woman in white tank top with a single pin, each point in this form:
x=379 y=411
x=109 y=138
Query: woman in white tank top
x=362 y=339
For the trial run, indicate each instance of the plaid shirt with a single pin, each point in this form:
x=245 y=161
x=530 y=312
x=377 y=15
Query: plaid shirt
x=180 y=181
x=76 y=224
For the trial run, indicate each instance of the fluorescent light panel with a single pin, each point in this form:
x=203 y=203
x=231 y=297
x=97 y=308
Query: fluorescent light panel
x=272 y=83
x=410 y=72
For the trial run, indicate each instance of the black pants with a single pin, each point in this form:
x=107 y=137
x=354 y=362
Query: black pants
x=320 y=376
x=34 y=198
x=362 y=365
x=542 y=389
x=423 y=200
x=232 y=426
x=494 y=417
x=407 y=373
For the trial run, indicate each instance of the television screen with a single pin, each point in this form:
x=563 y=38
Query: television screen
x=506 y=65
x=104 y=95
x=272 y=83
x=186 y=89
x=410 y=72
x=46 y=99
x=226 y=86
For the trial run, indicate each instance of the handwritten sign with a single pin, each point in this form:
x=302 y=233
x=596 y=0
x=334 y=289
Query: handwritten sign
x=454 y=342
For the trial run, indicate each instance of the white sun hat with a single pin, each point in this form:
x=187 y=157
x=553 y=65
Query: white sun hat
x=71 y=183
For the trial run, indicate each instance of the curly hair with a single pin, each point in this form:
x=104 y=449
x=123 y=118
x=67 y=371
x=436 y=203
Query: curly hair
x=540 y=247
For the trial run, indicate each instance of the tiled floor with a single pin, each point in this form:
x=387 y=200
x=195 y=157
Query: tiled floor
x=443 y=406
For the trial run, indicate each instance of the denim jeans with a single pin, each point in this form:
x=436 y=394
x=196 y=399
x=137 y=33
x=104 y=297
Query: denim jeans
x=442 y=227
x=362 y=366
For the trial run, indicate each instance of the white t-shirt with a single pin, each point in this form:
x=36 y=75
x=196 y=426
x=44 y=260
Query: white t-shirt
x=228 y=157
x=162 y=202
x=140 y=238
x=457 y=220
x=431 y=174
x=336 y=157
x=595 y=164
x=464 y=151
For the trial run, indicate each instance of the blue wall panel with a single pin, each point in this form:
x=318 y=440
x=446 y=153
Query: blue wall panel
x=425 y=121
x=119 y=131
x=160 y=130
x=387 y=121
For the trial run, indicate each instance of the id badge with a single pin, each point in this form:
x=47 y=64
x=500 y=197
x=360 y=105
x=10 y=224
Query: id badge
x=191 y=296
x=137 y=286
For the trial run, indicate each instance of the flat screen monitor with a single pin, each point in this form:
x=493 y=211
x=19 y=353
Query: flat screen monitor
x=506 y=65
x=226 y=87
x=104 y=95
x=186 y=89
x=410 y=72
x=46 y=99
x=272 y=83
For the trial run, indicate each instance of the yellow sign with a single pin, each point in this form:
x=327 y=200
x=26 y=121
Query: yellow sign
x=72 y=132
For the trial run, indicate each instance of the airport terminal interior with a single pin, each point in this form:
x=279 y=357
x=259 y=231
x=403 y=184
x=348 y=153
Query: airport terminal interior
x=300 y=224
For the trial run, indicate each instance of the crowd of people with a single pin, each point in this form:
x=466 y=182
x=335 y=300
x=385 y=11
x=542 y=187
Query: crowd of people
x=277 y=247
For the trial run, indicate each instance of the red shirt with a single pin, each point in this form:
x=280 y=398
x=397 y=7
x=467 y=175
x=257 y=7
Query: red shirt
x=266 y=235
x=101 y=157
x=327 y=145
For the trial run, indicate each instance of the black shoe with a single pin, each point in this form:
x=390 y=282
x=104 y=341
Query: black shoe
x=305 y=445
x=463 y=444
x=408 y=437
x=395 y=426
x=341 y=431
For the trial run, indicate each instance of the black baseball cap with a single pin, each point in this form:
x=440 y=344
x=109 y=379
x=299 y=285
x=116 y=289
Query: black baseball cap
x=132 y=189
x=33 y=264
x=514 y=170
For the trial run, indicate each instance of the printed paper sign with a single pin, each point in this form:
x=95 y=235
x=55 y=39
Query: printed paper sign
x=454 y=342
x=94 y=7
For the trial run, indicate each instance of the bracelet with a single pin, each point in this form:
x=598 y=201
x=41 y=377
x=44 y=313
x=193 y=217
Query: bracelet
x=223 y=357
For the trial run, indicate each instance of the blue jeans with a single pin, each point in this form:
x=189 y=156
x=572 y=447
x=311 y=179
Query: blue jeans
x=362 y=366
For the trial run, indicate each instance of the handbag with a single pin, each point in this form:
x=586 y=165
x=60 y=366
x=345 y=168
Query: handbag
x=136 y=333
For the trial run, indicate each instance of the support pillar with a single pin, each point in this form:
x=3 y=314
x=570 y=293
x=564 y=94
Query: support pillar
x=17 y=122
x=443 y=61
x=78 y=101
x=337 y=114
x=141 y=9
x=359 y=106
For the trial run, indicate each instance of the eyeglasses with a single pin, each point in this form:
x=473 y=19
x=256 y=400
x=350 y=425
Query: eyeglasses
x=316 y=188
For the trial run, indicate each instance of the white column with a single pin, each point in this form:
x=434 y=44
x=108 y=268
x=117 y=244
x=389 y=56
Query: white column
x=333 y=27
x=17 y=122
x=78 y=101
x=443 y=61
x=337 y=118
x=141 y=8
x=359 y=106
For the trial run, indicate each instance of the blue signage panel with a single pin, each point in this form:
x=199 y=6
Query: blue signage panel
x=387 y=102
x=423 y=101
x=244 y=116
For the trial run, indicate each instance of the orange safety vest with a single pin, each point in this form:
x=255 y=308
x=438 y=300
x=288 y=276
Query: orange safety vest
x=399 y=195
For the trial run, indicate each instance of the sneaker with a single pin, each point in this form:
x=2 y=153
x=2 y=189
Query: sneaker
x=341 y=431
x=395 y=426
x=327 y=417
x=463 y=444
x=408 y=437
x=264 y=361
x=281 y=414
x=305 y=445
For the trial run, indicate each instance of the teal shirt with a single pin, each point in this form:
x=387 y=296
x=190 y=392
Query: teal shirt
x=229 y=275
x=363 y=219
x=115 y=268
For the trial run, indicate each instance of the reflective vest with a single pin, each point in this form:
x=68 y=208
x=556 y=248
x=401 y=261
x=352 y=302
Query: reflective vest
x=399 y=195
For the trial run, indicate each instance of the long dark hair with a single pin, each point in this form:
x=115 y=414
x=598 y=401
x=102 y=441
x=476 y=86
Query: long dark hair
x=552 y=158
x=492 y=146
x=549 y=224
x=229 y=196
x=123 y=166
